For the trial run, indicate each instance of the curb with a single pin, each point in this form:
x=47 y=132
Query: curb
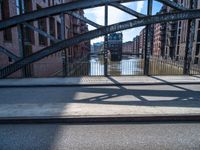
x=99 y=84
x=100 y=119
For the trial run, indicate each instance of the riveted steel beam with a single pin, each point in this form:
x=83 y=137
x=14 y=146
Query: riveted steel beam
x=187 y=14
x=61 y=8
x=173 y=4
x=84 y=19
x=127 y=10
x=106 y=43
x=148 y=39
x=190 y=40
x=43 y=33
x=55 y=10
x=8 y=53
x=64 y=51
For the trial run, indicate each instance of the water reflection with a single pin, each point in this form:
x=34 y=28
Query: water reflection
x=129 y=65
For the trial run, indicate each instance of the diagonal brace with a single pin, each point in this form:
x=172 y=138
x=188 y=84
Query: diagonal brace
x=127 y=10
x=8 y=53
x=76 y=15
x=173 y=4
x=41 y=32
x=188 y=14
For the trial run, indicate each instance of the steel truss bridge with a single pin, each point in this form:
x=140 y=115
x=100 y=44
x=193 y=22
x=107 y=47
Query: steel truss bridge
x=180 y=13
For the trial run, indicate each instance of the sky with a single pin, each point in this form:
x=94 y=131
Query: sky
x=115 y=16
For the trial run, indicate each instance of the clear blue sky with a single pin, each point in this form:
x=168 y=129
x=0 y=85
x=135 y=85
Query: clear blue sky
x=116 y=15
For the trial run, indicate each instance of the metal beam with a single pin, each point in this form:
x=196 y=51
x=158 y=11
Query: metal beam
x=61 y=8
x=64 y=51
x=20 y=29
x=84 y=19
x=43 y=33
x=187 y=14
x=190 y=40
x=127 y=10
x=172 y=4
x=8 y=53
x=148 y=39
x=106 y=43
x=55 y=10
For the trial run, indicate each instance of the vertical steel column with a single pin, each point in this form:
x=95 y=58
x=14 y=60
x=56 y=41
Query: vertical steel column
x=148 y=41
x=106 y=44
x=64 y=52
x=20 y=29
x=190 y=39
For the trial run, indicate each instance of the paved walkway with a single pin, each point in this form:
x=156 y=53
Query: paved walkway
x=126 y=80
x=98 y=101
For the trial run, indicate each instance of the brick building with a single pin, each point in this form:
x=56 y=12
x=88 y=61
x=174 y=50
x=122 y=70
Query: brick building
x=170 y=38
x=136 y=45
x=142 y=40
x=127 y=48
x=176 y=37
x=115 y=46
x=159 y=35
x=33 y=41
x=182 y=36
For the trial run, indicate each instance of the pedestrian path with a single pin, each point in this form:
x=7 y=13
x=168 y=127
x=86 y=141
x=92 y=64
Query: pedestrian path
x=101 y=101
x=112 y=80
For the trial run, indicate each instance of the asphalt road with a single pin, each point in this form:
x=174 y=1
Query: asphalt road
x=180 y=136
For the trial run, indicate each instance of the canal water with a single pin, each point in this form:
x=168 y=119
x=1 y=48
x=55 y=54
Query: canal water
x=129 y=65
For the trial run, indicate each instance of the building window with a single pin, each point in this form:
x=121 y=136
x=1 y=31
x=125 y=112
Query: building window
x=42 y=25
x=28 y=33
x=199 y=24
x=52 y=28
x=49 y=2
x=59 y=30
x=7 y=34
x=177 y=52
x=28 y=6
x=197 y=49
x=5 y=12
x=9 y=59
x=196 y=60
x=198 y=36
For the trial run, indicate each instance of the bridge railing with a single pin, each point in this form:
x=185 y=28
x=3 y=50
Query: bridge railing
x=135 y=67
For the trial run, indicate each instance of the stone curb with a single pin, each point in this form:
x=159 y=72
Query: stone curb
x=98 y=84
x=100 y=119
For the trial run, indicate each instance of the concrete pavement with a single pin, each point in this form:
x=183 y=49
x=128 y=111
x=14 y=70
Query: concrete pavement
x=87 y=81
x=100 y=101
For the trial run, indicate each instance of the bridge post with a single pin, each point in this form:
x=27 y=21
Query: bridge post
x=148 y=41
x=20 y=29
x=189 y=41
x=106 y=44
x=64 y=52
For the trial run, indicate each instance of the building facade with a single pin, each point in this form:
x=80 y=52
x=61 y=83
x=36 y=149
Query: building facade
x=170 y=38
x=33 y=41
x=142 y=41
x=136 y=45
x=115 y=46
x=159 y=40
x=127 y=48
x=182 y=36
